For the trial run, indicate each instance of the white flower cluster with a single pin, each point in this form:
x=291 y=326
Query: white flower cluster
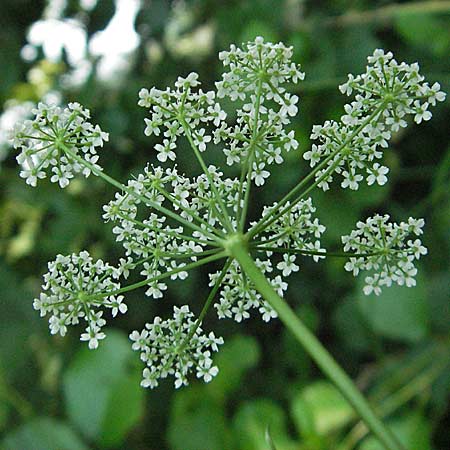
x=13 y=112
x=296 y=230
x=44 y=141
x=144 y=231
x=179 y=110
x=259 y=62
x=385 y=95
x=390 y=254
x=70 y=293
x=257 y=75
x=238 y=294
x=169 y=224
x=175 y=347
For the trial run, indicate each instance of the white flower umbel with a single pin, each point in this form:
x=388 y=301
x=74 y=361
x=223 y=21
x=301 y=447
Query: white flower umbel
x=176 y=347
x=169 y=224
x=257 y=75
x=390 y=253
x=149 y=237
x=293 y=234
x=385 y=95
x=180 y=109
x=50 y=142
x=69 y=294
x=238 y=294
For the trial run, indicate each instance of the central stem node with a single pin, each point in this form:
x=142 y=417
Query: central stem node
x=233 y=242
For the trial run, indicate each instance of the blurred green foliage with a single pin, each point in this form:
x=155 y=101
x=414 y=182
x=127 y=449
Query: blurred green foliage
x=57 y=395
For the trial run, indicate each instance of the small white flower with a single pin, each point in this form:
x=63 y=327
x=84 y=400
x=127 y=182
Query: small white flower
x=259 y=174
x=140 y=339
x=201 y=140
x=313 y=155
x=58 y=324
x=422 y=112
x=316 y=247
x=417 y=248
x=31 y=176
x=372 y=286
x=92 y=335
x=218 y=113
x=240 y=311
x=317 y=228
x=351 y=180
x=156 y=289
x=118 y=306
x=434 y=94
x=206 y=370
x=165 y=150
x=287 y=266
x=347 y=88
x=279 y=285
x=267 y=312
x=415 y=226
x=378 y=174
x=149 y=379
x=290 y=105
x=190 y=81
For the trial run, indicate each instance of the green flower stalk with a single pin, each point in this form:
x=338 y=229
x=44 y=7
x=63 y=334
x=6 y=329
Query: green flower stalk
x=169 y=223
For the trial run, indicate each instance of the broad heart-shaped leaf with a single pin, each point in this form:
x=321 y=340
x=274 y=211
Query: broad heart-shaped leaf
x=232 y=365
x=102 y=392
x=351 y=326
x=428 y=31
x=399 y=312
x=197 y=421
x=252 y=421
x=4 y=406
x=413 y=431
x=295 y=358
x=344 y=208
x=319 y=409
x=439 y=292
x=43 y=433
x=18 y=321
x=125 y=408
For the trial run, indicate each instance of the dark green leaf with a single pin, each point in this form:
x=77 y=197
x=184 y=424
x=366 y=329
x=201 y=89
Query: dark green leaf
x=413 y=432
x=43 y=434
x=399 y=313
x=320 y=409
x=198 y=422
x=251 y=421
x=100 y=384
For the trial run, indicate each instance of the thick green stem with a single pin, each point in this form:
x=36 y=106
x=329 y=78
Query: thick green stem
x=236 y=247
